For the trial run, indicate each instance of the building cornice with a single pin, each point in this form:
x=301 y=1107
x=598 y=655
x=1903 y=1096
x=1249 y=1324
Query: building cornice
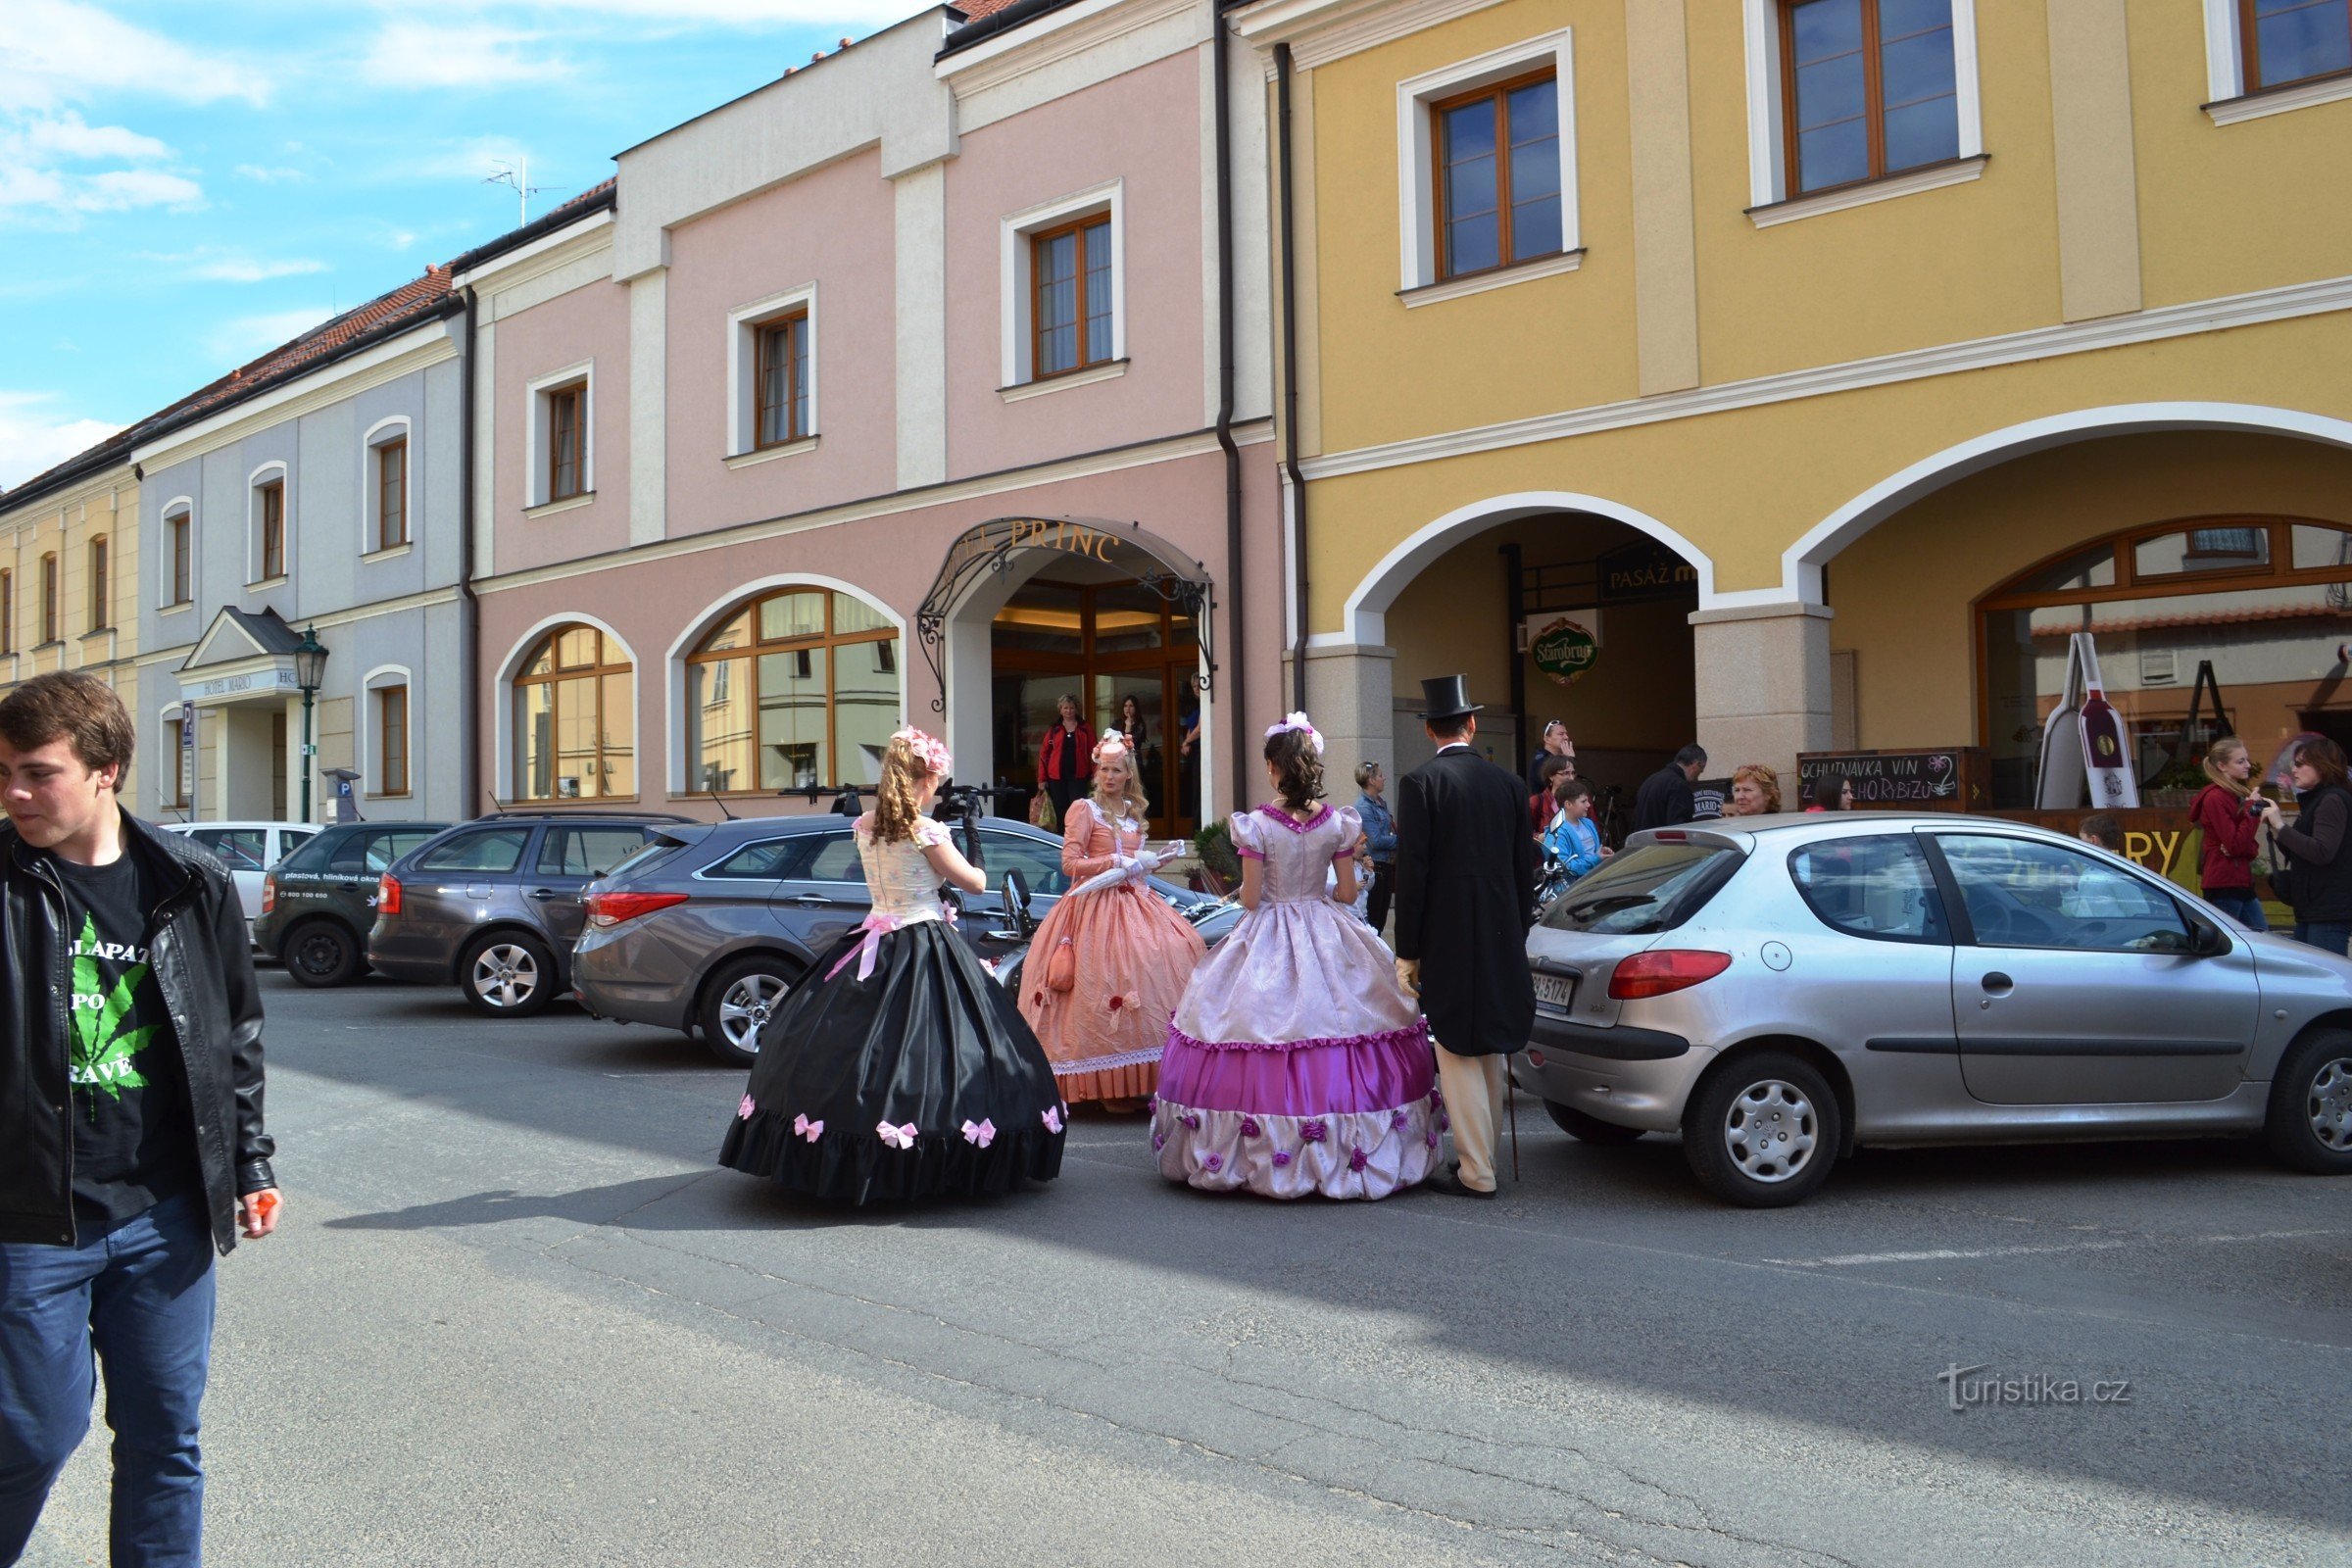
x=1949 y=359
x=35 y=509
x=427 y=344
x=1320 y=31
x=1055 y=37
x=557 y=248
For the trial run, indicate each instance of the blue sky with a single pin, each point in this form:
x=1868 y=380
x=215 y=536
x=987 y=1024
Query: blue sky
x=185 y=185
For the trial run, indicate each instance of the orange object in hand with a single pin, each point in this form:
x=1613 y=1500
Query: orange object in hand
x=265 y=1211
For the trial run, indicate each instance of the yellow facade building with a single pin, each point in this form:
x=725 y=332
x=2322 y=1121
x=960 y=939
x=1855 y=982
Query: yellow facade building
x=1830 y=361
x=69 y=569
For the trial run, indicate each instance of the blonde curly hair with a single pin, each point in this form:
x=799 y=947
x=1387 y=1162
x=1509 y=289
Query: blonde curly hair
x=1130 y=800
x=899 y=796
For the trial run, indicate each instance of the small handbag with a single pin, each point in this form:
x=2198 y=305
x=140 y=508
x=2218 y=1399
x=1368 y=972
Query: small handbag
x=1061 y=967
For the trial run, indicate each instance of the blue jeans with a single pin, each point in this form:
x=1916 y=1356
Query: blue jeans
x=2333 y=934
x=2244 y=908
x=140 y=1295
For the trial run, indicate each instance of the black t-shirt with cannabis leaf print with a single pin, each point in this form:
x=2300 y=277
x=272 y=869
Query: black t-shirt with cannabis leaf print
x=133 y=1135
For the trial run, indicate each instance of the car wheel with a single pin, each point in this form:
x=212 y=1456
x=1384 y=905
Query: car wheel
x=2310 y=1122
x=1589 y=1129
x=738 y=1003
x=1763 y=1132
x=322 y=954
x=508 y=975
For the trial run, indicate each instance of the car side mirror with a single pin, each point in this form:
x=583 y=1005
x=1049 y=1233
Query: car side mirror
x=1016 y=904
x=2206 y=939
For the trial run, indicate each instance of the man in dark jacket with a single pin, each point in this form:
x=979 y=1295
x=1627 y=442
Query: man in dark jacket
x=1664 y=798
x=131 y=1107
x=1466 y=897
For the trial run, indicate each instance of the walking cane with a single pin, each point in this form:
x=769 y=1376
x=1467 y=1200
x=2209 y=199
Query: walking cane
x=1510 y=1093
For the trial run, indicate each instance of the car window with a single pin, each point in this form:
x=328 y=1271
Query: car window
x=1037 y=859
x=240 y=849
x=498 y=849
x=1875 y=887
x=587 y=851
x=352 y=854
x=2022 y=893
x=835 y=860
x=767 y=860
x=393 y=845
x=290 y=839
x=1652 y=887
x=312 y=856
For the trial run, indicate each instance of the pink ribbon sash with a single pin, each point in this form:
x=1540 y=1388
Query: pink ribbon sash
x=875 y=926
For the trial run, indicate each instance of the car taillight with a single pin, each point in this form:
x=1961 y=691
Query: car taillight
x=1664 y=970
x=607 y=909
x=268 y=894
x=387 y=894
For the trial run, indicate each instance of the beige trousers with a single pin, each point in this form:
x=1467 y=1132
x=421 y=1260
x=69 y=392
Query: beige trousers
x=1473 y=1087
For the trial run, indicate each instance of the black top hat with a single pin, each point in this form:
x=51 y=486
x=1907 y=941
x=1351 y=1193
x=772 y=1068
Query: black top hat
x=1447 y=697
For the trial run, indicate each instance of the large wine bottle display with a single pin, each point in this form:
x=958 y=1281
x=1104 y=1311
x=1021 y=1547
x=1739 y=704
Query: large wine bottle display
x=2086 y=746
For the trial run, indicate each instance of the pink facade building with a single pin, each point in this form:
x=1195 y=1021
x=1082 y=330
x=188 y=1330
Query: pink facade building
x=914 y=386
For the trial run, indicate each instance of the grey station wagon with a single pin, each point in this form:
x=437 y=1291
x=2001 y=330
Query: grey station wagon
x=318 y=902
x=1782 y=989
x=714 y=923
x=493 y=906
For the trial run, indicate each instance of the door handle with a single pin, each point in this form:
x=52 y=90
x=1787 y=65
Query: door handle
x=809 y=901
x=543 y=895
x=1998 y=984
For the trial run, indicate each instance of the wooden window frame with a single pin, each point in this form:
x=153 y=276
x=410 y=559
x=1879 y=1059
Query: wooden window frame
x=1087 y=357
x=387 y=785
x=101 y=608
x=757 y=648
x=391 y=467
x=2249 y=53
x=1874 y=101
x=571 y=398
x=51 y=629
x=270 y=502
x=792 y=328
x=558 y=673
x=1439 y=165
x=179 y=532
x=8 y=611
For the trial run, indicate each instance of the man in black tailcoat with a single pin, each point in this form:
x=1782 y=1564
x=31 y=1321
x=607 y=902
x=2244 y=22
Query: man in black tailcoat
x=1466 y=897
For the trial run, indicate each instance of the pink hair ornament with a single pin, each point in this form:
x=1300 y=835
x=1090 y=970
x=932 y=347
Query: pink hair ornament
x=928 y=750
x=1298 y=721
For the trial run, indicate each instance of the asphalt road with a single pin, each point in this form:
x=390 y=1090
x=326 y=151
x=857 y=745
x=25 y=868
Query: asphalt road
x=517 y=1317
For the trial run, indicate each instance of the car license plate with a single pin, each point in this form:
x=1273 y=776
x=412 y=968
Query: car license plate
x=1555 y=992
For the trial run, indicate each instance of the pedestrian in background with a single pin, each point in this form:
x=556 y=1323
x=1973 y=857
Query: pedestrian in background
x=1572 y=838
x=1465 y=880
x=1065 y=758
x=1832 y=792
x=1755 y=791
x=1665 y=796
x=1556 y=743
x=1540 y=806
x=2228 y=812
x=2319 y=873
x=1380 y=840
x=131 y=1107
x=2103 y=830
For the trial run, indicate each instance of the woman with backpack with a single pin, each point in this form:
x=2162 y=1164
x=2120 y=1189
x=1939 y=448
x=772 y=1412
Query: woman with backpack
x=2318 y=860
x=2228 y=811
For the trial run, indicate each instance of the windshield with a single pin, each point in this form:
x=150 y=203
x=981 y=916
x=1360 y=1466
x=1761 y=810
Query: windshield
x=1655 y=887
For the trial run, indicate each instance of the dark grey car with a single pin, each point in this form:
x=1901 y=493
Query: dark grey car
x=717 y=922
x=318 y=901
x=493 y=906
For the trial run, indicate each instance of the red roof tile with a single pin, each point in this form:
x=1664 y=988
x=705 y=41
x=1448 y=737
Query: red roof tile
x=974 y=9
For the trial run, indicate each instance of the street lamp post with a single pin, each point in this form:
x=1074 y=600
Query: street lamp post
x=310 y=672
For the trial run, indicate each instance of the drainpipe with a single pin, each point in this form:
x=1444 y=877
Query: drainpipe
x=1289 y=375
x=469 y=660
x=1514 y=602
x=1236 y=688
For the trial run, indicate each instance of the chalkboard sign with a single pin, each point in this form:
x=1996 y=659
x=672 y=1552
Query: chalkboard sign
x=1948 y=778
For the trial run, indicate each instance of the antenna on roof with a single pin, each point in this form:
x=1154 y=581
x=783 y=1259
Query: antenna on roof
x=517 y=178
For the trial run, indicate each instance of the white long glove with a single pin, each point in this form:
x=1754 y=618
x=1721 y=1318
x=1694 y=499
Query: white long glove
x=1141 y=863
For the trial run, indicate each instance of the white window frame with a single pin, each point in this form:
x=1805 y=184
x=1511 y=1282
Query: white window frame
x=372 y=781
x=1014 y=270
x=743 y=364
x=2231 y=97
x=1416 y=168
x=162 y=586
x=1767 y=146
x=395 y=427
x=535 y=428
x=253 y=523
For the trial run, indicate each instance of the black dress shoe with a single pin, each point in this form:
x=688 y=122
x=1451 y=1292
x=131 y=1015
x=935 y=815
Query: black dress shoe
x=1450 y=1181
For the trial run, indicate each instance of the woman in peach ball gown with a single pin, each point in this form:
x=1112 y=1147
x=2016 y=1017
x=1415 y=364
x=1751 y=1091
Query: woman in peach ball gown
x=1108 y=965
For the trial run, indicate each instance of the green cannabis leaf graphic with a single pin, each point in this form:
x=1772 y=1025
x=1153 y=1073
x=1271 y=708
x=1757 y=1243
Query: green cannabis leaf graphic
x=102 y=1056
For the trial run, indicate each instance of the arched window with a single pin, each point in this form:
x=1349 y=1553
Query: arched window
x=796 y=688
x=576 y=718
x=2246 y=616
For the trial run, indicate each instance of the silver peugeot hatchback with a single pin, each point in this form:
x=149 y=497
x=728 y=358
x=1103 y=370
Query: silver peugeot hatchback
x=1780 y=990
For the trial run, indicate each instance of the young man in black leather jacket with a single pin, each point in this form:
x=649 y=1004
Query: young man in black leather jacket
x=131 y=1107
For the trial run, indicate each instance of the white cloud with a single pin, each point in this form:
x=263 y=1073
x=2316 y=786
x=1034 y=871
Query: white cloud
x=68 y=136
x=248 y=270
x=119 y=190
x=242 y=338
x=35 y=440
x=415 y=54
x=39 y=169
x=61 y=51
